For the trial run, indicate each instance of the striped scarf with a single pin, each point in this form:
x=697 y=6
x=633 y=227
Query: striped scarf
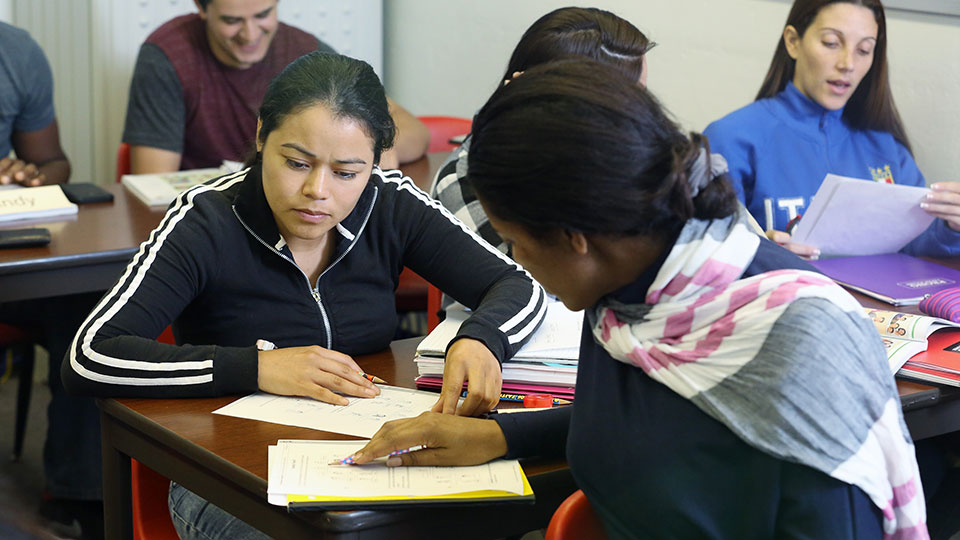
x=752 y=354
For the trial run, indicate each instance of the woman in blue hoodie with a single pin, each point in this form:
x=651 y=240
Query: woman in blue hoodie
x=825 y=106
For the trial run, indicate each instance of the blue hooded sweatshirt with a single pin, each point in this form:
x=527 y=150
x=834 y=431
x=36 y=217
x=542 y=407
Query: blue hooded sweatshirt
x=779 y=149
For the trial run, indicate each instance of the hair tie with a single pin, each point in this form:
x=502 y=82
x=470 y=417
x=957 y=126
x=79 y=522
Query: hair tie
x=699 y=176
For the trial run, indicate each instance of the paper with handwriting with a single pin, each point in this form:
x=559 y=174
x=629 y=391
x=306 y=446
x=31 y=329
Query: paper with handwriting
x=361 y=417
x=303 y=467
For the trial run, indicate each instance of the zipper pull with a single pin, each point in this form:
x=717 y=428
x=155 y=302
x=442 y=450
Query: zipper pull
x=316 y=295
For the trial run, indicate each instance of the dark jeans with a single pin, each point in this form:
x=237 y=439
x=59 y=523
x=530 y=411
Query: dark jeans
x=71 y=453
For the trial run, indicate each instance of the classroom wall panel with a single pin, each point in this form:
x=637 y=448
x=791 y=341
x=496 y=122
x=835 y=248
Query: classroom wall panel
x=62 y=28
x=92 y=46
x=446 y=57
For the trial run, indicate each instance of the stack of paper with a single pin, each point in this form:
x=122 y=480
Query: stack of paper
x=548 y=362
x=300 y=475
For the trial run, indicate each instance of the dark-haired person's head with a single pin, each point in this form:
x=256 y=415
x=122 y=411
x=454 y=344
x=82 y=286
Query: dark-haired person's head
x=582 y=32
x=323 y=125
x=573 y=155
x=239 y=31
x=835 y=53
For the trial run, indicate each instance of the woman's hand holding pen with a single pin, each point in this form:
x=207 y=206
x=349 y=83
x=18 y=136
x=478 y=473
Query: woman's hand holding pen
x=804 y=250
x=312 y=372
x=943 y=202
x=447 y=440
x=470 y=360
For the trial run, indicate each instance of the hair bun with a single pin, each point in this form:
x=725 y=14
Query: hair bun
x=700 y=176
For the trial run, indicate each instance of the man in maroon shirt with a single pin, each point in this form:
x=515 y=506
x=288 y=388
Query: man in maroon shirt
x=199 y=80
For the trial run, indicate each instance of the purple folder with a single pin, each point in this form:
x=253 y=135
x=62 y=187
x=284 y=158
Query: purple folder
x=895 y=278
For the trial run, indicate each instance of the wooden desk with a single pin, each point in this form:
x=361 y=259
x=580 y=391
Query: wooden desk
x=88 y=252
x=224 y=460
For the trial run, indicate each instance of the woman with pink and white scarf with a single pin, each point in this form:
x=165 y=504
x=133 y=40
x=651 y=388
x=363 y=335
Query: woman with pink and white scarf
x=724 y=390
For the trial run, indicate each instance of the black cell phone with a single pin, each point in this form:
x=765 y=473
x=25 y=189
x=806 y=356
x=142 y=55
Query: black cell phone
x=85 y=192
x=20 y=238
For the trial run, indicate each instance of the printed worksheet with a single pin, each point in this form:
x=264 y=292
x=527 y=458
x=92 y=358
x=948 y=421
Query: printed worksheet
x=361 y=417
x=304 y=468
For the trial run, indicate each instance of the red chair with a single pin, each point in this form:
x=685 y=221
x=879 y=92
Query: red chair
x=411 y=293
x=575 y=520
x=123 y=160
x=148 y=493
x=442 y=129
x=21 y=342
x=151 y=515
x=434 y=305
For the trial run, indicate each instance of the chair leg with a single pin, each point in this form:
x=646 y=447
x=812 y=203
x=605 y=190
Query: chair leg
x=24 y=389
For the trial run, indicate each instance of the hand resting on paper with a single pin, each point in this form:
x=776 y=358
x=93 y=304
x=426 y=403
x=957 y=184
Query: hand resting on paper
x=804 y=250
x=470 y=360
x=312 y=372
x=449 y=440
x=943 y=202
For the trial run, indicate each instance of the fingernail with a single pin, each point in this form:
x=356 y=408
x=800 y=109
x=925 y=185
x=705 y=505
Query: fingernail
x=394 y=461
x=369 y=391
x=924 y=205
x=356 y=456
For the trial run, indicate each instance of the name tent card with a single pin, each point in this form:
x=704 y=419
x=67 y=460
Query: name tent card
x=34 y=203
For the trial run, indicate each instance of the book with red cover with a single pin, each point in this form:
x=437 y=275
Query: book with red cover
x=940 y=363
x=894 y=278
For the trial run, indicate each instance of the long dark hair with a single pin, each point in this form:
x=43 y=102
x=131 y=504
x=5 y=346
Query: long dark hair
x=575 y=145
x=585 y=32
x=871 y=105
x=347 y=86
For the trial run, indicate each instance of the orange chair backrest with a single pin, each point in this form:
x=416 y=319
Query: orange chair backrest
x=123 y=160
x=151 y=515
x=575 y=519
x=442 y=128
x=434 y=297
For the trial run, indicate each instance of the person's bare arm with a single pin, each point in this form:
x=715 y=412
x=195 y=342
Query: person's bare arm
x=147 y=159
x=40 y=158
x=413 y=138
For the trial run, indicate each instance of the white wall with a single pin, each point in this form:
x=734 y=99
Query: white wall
x=444 y=57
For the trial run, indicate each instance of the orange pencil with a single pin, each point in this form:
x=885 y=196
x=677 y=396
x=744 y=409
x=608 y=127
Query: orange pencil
x=372 y=378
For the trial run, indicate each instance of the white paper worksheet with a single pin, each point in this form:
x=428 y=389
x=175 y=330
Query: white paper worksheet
x=361 y=417
x=303 y=468
x=849 y=216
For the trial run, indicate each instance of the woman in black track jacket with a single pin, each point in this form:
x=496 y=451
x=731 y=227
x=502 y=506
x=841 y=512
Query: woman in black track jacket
x=302 y=250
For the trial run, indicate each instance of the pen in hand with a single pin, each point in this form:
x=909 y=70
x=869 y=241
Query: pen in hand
x=372 y=378
x=349 y=459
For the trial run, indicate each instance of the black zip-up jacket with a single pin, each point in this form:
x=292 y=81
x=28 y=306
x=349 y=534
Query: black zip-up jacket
x=218 y=266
